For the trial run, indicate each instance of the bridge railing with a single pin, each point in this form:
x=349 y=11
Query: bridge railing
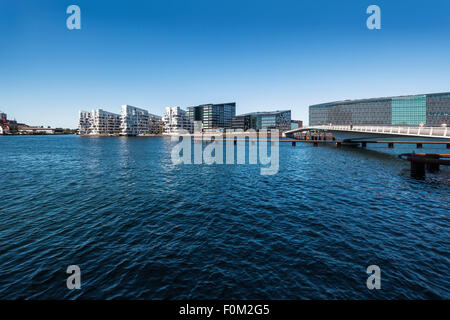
x=397 y=130
x=435 y=132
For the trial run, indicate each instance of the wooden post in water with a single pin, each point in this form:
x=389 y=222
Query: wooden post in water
x=432 y=167
x=417 y=168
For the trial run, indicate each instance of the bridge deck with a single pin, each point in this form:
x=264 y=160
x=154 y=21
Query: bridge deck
x=254 y=139
x=425 y=132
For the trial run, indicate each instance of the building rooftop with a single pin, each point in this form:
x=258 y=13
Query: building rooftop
x=263 y=113
x=215 y=104
x=341 y=102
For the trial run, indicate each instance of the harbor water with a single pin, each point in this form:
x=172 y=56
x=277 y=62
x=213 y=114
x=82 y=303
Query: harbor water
x=141 y=227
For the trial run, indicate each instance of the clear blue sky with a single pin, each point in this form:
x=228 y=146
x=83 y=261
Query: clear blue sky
x=262 y=54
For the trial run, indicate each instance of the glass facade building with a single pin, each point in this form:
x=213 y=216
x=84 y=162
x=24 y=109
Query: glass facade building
x=244 y=122
x=429 y=109
x=409 y=110
x=438 y=110
x=280 y=120
x=213 y=117
x=296 y=124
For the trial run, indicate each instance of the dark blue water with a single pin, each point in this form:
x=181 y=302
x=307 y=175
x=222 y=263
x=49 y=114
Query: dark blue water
x=140 y=227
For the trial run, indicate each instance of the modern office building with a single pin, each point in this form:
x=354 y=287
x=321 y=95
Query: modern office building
x=280 y=120
x=99 y=122
x=244 y=122
x=136 y=121
x=176 y=120
x=427 y=109
x=295 y=124
x=212 y=117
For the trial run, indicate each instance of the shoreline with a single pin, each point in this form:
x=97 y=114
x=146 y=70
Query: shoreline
x=204 y=134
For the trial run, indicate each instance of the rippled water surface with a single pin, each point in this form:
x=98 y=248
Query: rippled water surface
x=140 y=227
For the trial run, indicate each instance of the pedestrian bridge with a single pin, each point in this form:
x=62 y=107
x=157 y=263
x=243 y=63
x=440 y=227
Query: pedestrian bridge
x=348 y=133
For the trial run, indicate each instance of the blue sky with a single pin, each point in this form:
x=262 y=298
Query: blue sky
x=264 y=55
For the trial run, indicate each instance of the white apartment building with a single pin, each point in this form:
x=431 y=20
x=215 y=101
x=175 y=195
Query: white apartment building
x=136 y=121
x=99 y=122
x=84 y=123
x=131 y=122
x=176 y=119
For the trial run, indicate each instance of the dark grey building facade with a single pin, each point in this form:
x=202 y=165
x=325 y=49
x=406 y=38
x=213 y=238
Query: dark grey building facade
x=213 y=117
x=280 y=120
x=429 y=109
